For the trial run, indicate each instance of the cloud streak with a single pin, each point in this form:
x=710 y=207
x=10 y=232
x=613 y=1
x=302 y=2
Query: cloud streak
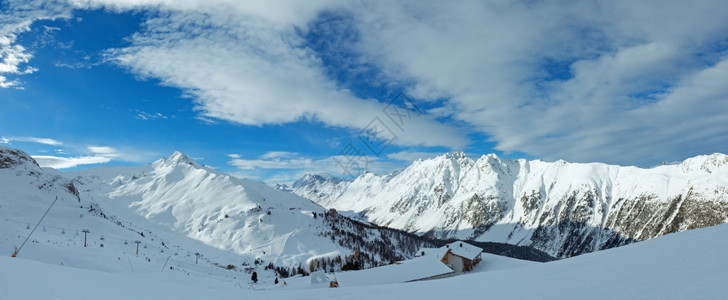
x=86 y=155
x=93 y=155
x=142 y=115
x=99 y=155
x=44 y=141
x=58 y=162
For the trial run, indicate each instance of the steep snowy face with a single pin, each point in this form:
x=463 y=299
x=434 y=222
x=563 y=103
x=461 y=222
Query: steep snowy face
x=558 y=207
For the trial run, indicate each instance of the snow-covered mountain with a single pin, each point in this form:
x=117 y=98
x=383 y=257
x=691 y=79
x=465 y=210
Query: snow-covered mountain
x=180 y=202
x=557 y=207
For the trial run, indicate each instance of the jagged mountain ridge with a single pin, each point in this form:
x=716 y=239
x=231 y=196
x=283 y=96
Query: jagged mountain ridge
x=557 y=207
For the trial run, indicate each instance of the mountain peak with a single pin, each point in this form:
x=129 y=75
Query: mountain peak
x=707 y=163
x=179 y=158
x=456 y=155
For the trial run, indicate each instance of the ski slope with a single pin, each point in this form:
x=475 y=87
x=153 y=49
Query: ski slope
x=683 y=265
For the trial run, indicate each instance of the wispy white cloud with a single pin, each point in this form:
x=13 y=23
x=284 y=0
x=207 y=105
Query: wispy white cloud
x=104 y=150
x=15 y=19
x=142 y=115
x=98 y=155
x=279 y=154
x=70 y=156
x=124 y=153
x=45 y=141
x=58 y=162
x=85 y=62
x=73 y=156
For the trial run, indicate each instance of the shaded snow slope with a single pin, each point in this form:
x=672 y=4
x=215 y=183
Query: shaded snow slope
x=557 y=207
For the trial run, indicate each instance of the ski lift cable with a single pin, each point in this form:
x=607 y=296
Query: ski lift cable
x=109 y=237
x=15 y=253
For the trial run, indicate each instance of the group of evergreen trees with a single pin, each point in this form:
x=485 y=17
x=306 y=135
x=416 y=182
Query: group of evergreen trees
x=378 y=245
x=285 y=272
x=371 y=245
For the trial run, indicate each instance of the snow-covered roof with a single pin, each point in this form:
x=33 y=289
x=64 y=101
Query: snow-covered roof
x=464 y=249
x=409 y=270
x=432 y=252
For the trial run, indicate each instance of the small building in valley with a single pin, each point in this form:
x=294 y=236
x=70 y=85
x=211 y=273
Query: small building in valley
x=458 y=256
x=429 y=263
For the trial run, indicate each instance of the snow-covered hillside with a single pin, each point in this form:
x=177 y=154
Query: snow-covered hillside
x=245 y=217
x=29 y=191
x=557 y=207
x=685 y=265
x=175 y=206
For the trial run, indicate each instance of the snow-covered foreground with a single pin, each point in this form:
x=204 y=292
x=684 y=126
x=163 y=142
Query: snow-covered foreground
x=689 y=264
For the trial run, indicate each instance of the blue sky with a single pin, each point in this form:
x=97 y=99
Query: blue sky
x=272 y=90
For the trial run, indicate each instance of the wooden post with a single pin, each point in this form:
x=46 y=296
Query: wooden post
x=137 y=242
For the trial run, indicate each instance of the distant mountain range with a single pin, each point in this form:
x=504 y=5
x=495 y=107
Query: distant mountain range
x=558 y=207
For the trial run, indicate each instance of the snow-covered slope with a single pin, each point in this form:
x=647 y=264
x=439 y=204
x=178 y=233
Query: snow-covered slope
x=175 y=206
x=686 y=265
x=245 y=217
x=557 y=207
x=29 y=191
